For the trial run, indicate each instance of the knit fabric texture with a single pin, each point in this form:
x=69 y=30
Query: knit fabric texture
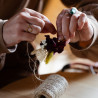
x=53 y=87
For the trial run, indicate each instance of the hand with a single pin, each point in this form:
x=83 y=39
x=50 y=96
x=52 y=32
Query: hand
x=15 y=29
x=73 y=28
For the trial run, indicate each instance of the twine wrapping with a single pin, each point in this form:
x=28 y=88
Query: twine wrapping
x=53 y=87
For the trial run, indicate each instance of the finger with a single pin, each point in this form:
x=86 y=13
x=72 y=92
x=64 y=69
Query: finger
x=65 y=26
x=33 y=20
x=76 y=37
x=24 y=36
x=81 y=21
x=59 y=24
x=34 y=13
x=34 y=29
x=49 y=27
x=73 y=24
x=45 y=23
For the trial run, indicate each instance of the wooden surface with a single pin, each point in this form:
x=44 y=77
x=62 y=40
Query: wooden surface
x=80 y=86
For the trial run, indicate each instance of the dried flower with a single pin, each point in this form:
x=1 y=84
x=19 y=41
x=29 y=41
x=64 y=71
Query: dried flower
x=52 y=44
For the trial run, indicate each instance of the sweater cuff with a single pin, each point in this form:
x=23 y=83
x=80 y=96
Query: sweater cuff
x=12 y=49
x=3 y=48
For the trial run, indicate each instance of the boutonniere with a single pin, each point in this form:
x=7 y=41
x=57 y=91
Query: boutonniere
x=49 y=47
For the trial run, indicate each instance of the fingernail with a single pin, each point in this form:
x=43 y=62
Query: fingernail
x=61 y=38
x=67 y=42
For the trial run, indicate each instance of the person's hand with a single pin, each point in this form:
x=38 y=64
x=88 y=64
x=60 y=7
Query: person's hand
x=24 y=26
x=75 y=27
